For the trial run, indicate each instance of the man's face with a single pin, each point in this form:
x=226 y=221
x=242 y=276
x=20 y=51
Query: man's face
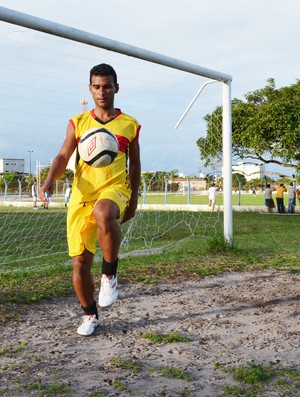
x=103 y=91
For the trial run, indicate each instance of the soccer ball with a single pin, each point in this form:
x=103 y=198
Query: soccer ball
x=98 y=147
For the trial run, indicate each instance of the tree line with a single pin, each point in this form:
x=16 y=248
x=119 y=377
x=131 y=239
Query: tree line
x=265 y=128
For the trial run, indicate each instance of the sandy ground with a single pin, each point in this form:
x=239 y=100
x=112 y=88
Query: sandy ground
x=232 y=319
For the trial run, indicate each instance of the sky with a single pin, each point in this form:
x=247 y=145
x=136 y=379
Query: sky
x=43 y=78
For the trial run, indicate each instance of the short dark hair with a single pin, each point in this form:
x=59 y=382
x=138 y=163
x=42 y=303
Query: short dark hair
x=103 y=70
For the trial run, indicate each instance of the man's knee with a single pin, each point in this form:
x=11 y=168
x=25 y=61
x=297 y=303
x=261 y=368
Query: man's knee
x=106 y=212
x=82 y=263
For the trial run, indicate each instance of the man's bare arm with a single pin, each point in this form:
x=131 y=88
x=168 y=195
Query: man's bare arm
x=134 y=178
x=60 y=163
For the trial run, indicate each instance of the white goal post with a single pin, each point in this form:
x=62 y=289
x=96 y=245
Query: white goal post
x=70 y=33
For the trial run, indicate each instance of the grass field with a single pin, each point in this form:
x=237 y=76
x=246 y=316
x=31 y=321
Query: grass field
x=180 y=198
x=202 y=199
x=260 y=242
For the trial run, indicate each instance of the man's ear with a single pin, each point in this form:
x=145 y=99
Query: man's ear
x=117 y=88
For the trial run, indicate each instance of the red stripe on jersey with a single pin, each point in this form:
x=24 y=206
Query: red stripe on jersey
x=73 y=124
x=137 y=133
x=123 y=143
x=74 y=127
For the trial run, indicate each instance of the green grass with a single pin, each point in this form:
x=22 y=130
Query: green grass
x=260 y=242
x=202 y=199
x=13 y=351
x=119 y=385
x=254 y=379
x=132 y=366
x=174 y=373
x=57 y=389
x=165 y=338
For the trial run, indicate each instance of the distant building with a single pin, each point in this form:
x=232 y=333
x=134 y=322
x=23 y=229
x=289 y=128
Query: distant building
x=250 y=171
x=196 y=184
x=12 y=165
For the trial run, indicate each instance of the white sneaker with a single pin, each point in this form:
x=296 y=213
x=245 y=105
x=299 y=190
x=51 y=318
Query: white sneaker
x=109 y=290
x=88 y=326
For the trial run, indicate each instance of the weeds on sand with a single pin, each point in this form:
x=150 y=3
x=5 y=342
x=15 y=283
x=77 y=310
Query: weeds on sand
x=256 y=379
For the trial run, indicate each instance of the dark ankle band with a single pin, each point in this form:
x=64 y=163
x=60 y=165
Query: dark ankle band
x=109 y=268
x=91 y=309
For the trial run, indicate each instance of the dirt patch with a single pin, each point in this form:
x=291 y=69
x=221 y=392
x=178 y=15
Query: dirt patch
x=232 y=319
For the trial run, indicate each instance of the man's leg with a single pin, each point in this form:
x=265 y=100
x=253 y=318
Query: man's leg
x=278 y=204
x=290 y=205
x=106 y=213
x=281 y=206
x=82 y=278
x=213 y=203
x=84 y=287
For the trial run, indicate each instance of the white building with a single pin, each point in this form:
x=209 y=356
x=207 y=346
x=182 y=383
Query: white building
x=12 y=165
x=250 y=171
x=196 y=184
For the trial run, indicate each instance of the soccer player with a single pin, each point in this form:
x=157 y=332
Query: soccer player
x=68 y=195
x=100 y=196
x=212 y=195
x=34 y=192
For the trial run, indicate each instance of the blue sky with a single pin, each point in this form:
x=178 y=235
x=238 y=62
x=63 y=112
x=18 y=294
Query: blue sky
x=43 y=77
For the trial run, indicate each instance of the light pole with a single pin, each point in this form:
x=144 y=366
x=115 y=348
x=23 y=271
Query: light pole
x=83 y=103
x=30 y=151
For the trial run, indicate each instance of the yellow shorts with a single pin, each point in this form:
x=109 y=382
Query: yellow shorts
x=81 y=222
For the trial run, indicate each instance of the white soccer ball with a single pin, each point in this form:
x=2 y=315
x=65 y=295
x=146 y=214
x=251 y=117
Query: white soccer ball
x=98 y=147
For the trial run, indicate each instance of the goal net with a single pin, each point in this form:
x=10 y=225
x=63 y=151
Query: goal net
x=44 y=82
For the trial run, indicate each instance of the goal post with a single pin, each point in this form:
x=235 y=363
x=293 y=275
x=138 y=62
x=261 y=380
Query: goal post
x=70 y=33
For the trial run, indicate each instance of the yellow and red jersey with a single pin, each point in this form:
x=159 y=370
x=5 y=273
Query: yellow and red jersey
x=90 y=181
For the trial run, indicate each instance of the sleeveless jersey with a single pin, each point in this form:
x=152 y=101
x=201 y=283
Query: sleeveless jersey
x=90 y=181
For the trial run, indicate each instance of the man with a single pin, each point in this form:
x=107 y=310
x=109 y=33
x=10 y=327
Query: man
x=100 y=196
x=268 y=198
x=212 y=195
x=68 y=195
x=46 y=201
x=34 y=192
x=291 y=197
x=279 y=198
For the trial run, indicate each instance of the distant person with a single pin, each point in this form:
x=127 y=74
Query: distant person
x=68 y=195
x=269 y=202
x=291 y=197
x=212 y=196
x=46 y=201
x=34 y=193
x=254 y=191
x=279 y=198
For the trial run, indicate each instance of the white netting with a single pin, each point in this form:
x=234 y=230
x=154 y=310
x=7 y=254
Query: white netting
x=44 y=80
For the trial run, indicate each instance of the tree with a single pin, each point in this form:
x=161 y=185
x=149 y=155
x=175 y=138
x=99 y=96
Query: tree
x=238 y=180
x=257 y=183
x=265 y=127
x=12 y=180
x=155 y=181
x=210 y=180
x=61 y=183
